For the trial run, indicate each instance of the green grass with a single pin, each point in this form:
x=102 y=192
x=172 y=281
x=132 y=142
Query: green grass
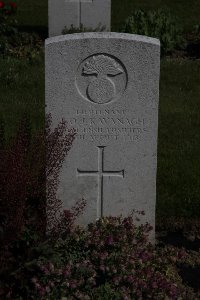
x=21 y=90
x=35 y=13
x=178 y=184
x=32 y=13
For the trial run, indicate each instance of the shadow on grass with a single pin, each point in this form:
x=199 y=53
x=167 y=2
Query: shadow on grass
x=191 y=276
x=42 y=31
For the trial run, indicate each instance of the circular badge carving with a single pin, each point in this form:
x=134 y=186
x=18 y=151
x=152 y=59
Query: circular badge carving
x=101 y=78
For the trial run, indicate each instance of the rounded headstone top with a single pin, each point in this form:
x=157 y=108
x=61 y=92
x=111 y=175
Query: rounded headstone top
x=103 y=35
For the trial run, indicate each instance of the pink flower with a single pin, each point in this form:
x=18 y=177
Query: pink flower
x=51 y=267
x=73 y=284
x=67 y=273
x=103 y=255
x=51 y=284
x=45 y=270
x=42 y=291
x=130 y=278
x=109 y=240
x=116 y=280
x=34 y=280
x=37 y=286
x=13 y=5
x=102 y=268
x=2 y=4
x=154 y=285
x=48 y=290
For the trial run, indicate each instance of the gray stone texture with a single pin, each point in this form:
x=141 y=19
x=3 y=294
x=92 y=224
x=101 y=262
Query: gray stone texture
x=90 y=13
x=106 y=85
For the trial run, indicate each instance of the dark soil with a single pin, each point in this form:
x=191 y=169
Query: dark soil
x=177 y=239
x=40 y=30
x=190 y=275
x=193 y=50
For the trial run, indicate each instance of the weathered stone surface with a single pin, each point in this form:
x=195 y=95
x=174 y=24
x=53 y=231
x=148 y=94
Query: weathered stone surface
x=106 y=85
x=89 y=13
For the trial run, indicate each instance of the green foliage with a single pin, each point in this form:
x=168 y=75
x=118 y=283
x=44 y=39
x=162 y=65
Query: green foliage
x=13 y=42
x=159 y=24
x=2 y=134
x=7 y=27
x=22 y=45
x=7 y=22
x=105 y=292
x=197 y=32
x=80 y=29
x=197 y=29
x=186 y=11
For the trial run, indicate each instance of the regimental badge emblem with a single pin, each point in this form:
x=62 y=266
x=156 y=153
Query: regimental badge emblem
x=101 y=79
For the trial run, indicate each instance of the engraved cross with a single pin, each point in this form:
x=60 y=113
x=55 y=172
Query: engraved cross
x=79 y=7
x=100 y=173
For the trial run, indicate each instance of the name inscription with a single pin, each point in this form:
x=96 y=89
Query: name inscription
x=105 y=125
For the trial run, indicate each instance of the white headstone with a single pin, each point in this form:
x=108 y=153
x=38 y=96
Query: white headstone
x=90 y=13
x=106 y=85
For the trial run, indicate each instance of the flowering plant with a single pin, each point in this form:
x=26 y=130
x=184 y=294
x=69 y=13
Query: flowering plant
x=7 y=8
x=14 y=42
x=7 y=24
x=111 y=259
